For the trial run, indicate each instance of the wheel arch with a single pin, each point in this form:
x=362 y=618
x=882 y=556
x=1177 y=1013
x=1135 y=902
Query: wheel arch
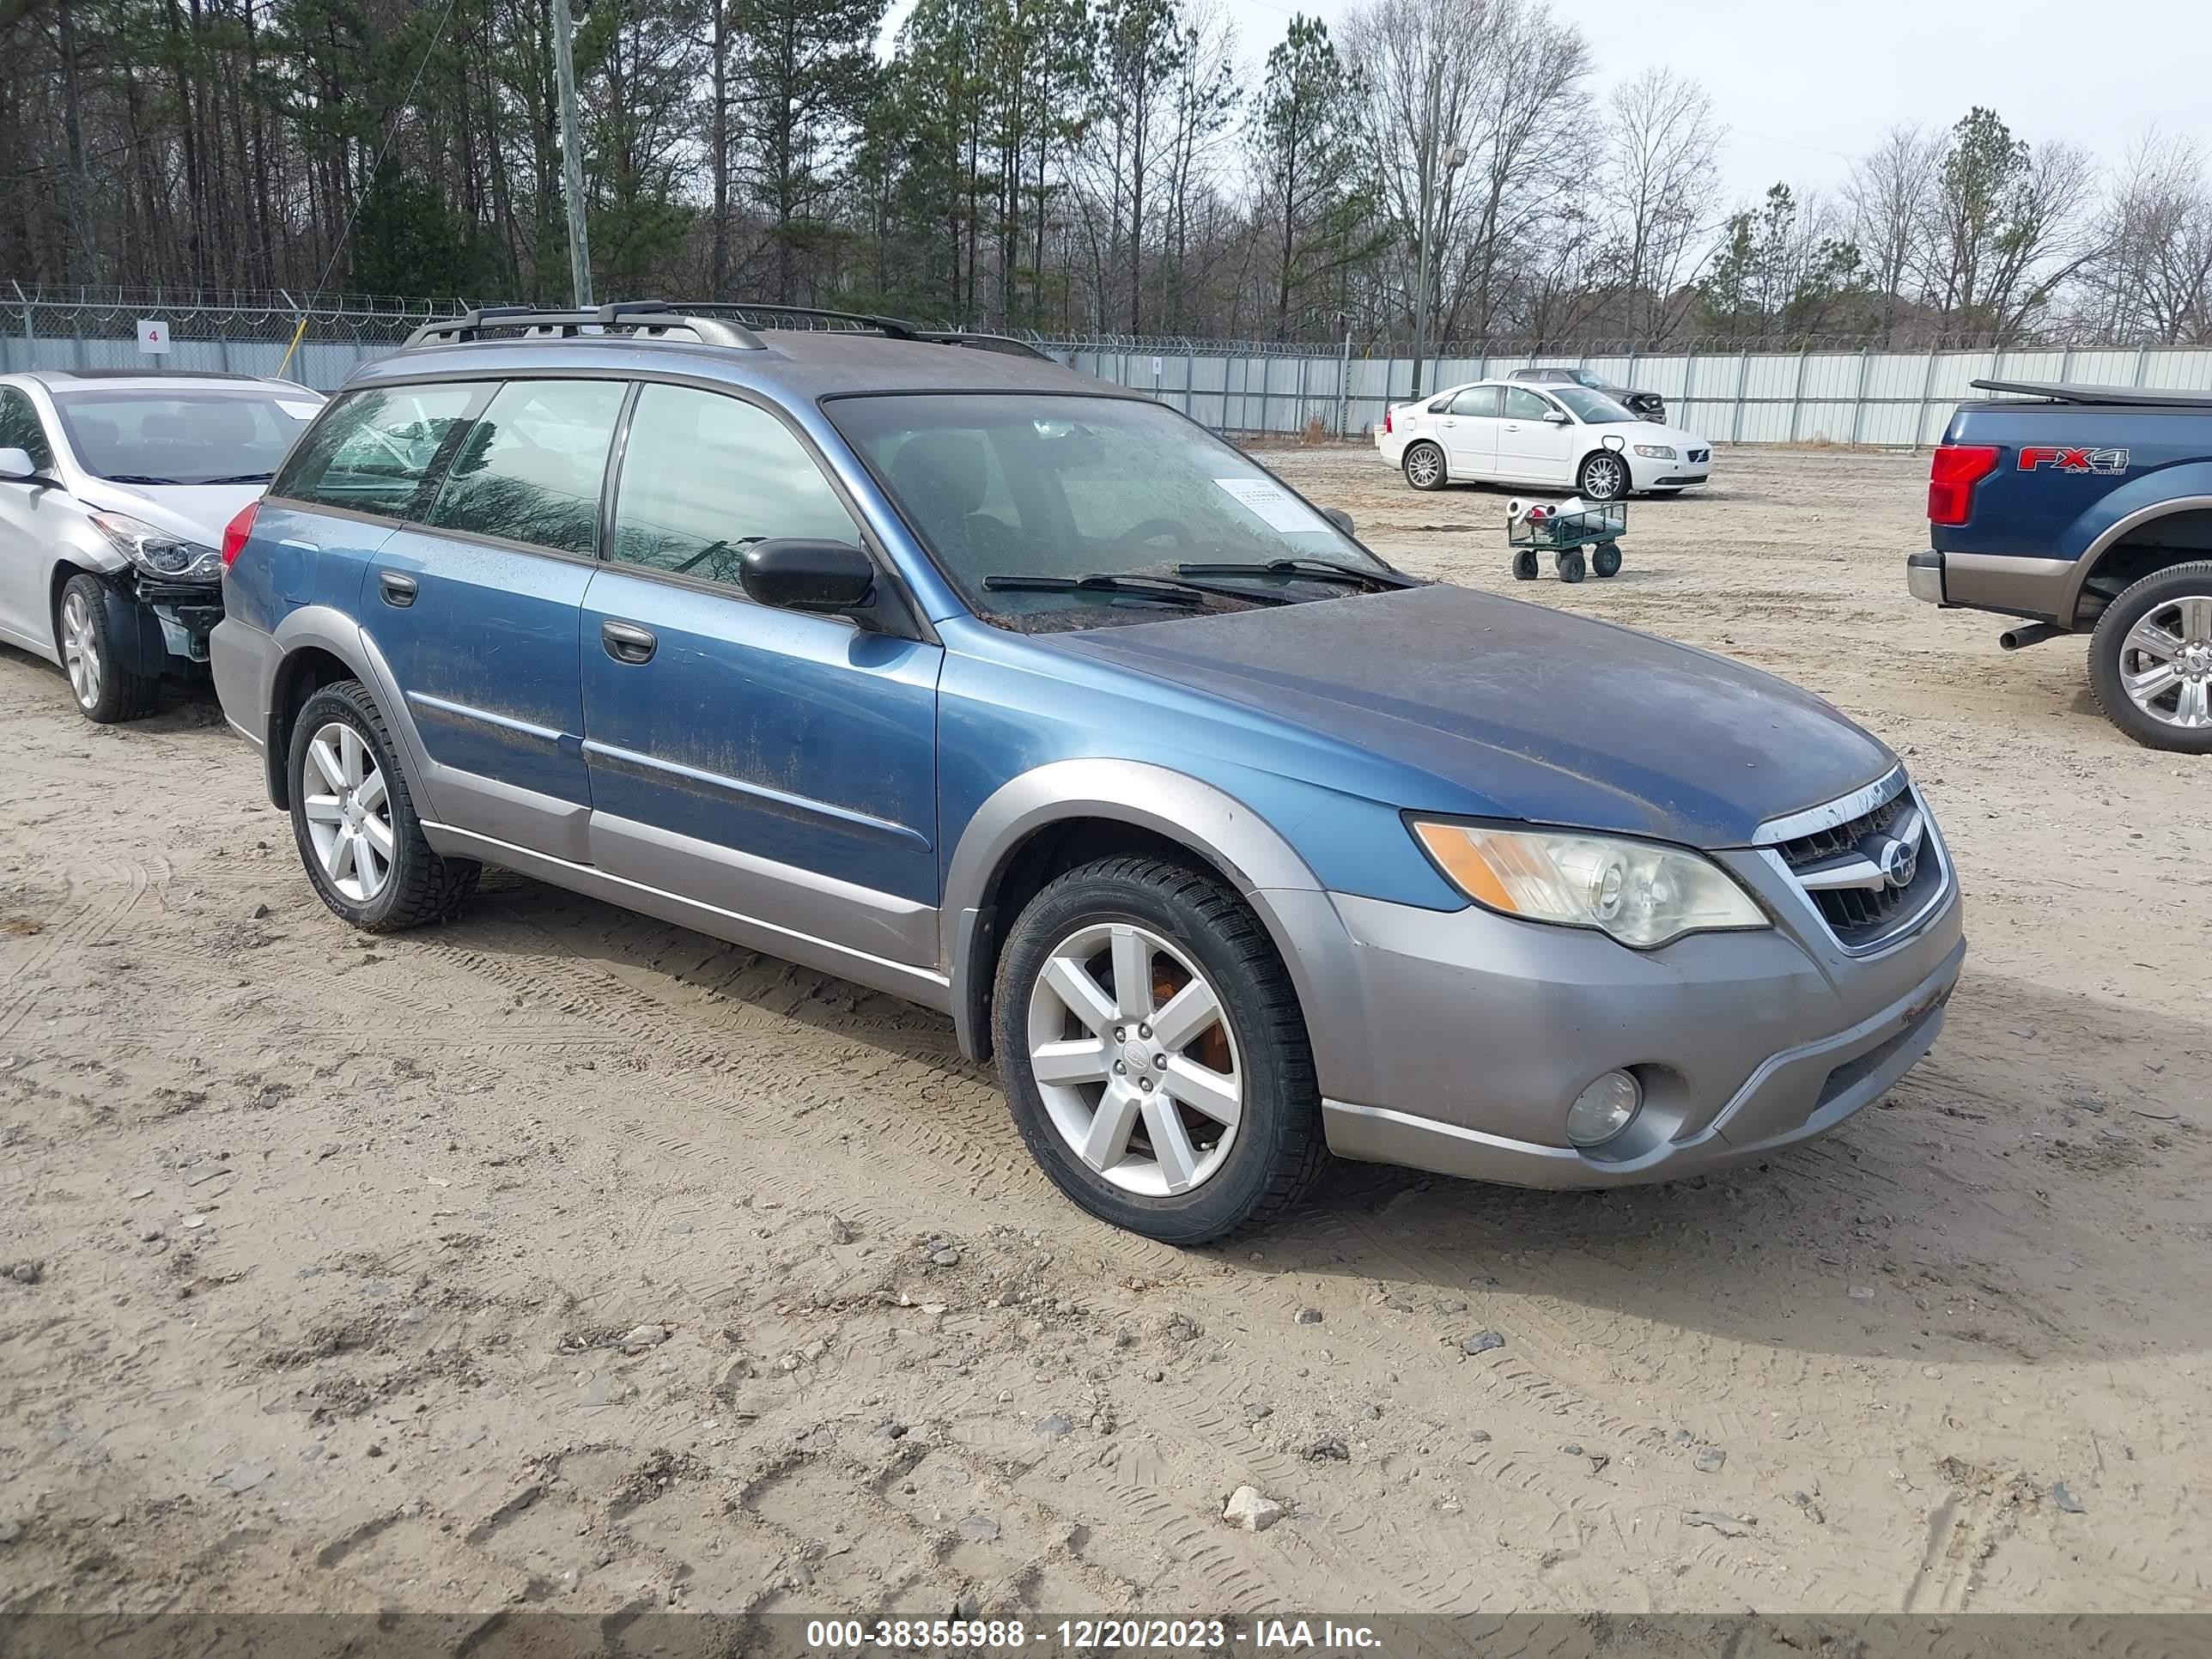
x=2118 y=558
x=318 y=646
x=1069 y=813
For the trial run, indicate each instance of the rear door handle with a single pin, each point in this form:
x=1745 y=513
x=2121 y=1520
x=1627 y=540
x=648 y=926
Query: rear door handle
x=397 y=588
x=626 y=642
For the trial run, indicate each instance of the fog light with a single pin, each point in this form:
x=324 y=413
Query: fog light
x=1603 y=1110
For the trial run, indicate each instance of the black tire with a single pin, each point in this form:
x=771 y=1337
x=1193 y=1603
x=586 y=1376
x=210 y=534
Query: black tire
x=1606 y=561
x=1432 y=465
x=2162 y=589
x=1524 y=565
x=1604 y=477
x=1277 y=1149
x=420 y=886
x=118 y=694
x=1569 y=565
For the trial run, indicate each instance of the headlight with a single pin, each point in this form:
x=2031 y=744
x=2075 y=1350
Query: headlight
x=1655 y=451
x=1643 y=895
x=157 y=552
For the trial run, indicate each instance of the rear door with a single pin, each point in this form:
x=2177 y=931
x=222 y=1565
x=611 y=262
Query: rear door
x=1469 y=430
x=778 y=765
x=1531 y=448
x=475 y=609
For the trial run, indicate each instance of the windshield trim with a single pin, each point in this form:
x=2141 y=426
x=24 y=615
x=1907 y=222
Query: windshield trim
x=953 y=584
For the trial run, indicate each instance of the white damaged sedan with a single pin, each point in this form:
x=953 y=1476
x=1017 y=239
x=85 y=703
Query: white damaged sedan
x=1562 y=437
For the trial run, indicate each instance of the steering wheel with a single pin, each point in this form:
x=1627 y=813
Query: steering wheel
x=1152 y=529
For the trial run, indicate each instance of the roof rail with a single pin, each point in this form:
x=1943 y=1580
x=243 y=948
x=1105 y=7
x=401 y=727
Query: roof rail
x=649 y=317
x=892 y=328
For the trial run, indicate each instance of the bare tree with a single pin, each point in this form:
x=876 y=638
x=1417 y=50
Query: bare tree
x=2151 y=276
x=1890 y=203
x=1660 y=177
x=2006 y=228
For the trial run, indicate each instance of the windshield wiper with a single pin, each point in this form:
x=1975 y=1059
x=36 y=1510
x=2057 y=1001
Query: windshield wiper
x=1318 y=570
x=1161 y=590
x=137 y=478
x=241 y=478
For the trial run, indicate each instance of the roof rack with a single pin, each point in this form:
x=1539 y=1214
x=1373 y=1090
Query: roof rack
x=893 y=328
x=646 y=317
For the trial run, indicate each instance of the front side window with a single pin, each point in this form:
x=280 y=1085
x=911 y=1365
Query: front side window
x=21 y=429
x=1006 y=488
x=530 y=468
x=1521 y=405
x=373 y=450
x=185 y=435
x=705 y=476
x=1480 y=401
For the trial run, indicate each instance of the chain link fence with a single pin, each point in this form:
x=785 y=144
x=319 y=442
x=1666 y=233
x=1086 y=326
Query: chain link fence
x=1250 y=388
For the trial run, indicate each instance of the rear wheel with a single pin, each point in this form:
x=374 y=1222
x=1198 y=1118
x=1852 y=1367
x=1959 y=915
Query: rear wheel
x=354 y=819
x=1425 y=466
x=1606 y=561
x=1569 y=565
x=1604 y=478
x=1155 y=1057
x=1524 y=565
x=2150 y=659
x=106 y=691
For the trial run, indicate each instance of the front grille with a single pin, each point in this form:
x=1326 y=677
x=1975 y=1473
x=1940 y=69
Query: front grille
x=1862 y=917
x=1701 y=454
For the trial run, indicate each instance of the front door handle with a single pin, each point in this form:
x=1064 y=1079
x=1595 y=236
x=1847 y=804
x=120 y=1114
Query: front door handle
x=397 y=588
x=628 y=642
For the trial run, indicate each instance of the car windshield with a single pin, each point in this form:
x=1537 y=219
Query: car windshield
x=185 y=434
x=1004 y=488
x=1591 y=408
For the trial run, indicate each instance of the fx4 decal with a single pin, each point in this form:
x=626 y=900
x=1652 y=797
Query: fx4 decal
x=2074 y=460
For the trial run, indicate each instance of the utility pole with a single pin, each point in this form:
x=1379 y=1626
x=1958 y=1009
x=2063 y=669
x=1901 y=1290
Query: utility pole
x=1450 y=159
x=572 y=158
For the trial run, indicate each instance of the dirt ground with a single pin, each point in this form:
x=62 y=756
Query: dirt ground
x=559 y=1256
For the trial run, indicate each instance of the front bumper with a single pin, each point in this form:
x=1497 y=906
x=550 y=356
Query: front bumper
x=1656 y=473
x=1477 y=1031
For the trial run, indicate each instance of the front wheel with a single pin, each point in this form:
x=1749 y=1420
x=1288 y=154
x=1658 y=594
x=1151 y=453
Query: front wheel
x=1425 y=466
x=354 y=819
x=2150 y=659
x=1155 y=1057
x=1604 y=478
x=106 y=691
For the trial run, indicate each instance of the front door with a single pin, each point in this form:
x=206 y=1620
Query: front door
x=780 y=766
x=477 y=612
x=1533 y=448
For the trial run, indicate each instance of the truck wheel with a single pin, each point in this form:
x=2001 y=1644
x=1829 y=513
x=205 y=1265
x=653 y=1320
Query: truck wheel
x=106 y=691
x=1155 y=1056
x=2150 y=659
x=1425 y=466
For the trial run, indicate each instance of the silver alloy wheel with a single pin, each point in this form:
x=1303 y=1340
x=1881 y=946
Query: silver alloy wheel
x=2165 y=662
x=1138 y=1071
x=1605 y=477
x=347 y=811
x=81 y=649
x=1425 y=466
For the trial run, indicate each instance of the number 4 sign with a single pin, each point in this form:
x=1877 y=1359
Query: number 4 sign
x=154 y=335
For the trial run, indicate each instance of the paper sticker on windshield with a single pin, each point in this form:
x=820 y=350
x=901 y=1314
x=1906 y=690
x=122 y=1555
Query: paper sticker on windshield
x=1273 y=504
x=299 y=411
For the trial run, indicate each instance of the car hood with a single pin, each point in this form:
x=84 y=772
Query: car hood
x=197 y=511
x=1656 y=432
x=1519 y=711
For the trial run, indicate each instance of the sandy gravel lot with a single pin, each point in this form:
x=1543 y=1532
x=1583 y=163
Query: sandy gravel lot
x=559 y=1256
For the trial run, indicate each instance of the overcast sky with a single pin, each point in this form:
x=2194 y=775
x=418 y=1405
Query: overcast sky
x=1803 y=86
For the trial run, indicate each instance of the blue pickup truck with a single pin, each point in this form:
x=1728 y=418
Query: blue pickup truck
x=2079 y=508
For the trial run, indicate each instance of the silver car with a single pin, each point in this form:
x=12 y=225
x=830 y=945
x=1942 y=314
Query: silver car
x=115 y=491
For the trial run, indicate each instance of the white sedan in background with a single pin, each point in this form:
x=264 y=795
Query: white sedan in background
x=1561 y=437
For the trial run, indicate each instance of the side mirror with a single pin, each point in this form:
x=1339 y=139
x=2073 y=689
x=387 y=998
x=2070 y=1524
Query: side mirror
x=1556 y=416
x=1339 y=517
x=824 y=577
x=15 y=466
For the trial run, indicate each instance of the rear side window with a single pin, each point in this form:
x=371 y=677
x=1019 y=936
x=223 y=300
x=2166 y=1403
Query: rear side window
x=1477 y=400
x=530 y=468
x=21 y=428
x=705 y=476
x=373 y=450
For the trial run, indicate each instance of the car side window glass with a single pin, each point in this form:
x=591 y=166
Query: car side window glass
x=532 y=464
x=21 y=429
x=1437 y=406
x=704 y=476
x=372 y=450
x=1478 y=400
x=1521 y=405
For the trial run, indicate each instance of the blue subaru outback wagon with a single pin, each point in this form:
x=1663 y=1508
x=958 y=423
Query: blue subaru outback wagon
x=930 y=663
